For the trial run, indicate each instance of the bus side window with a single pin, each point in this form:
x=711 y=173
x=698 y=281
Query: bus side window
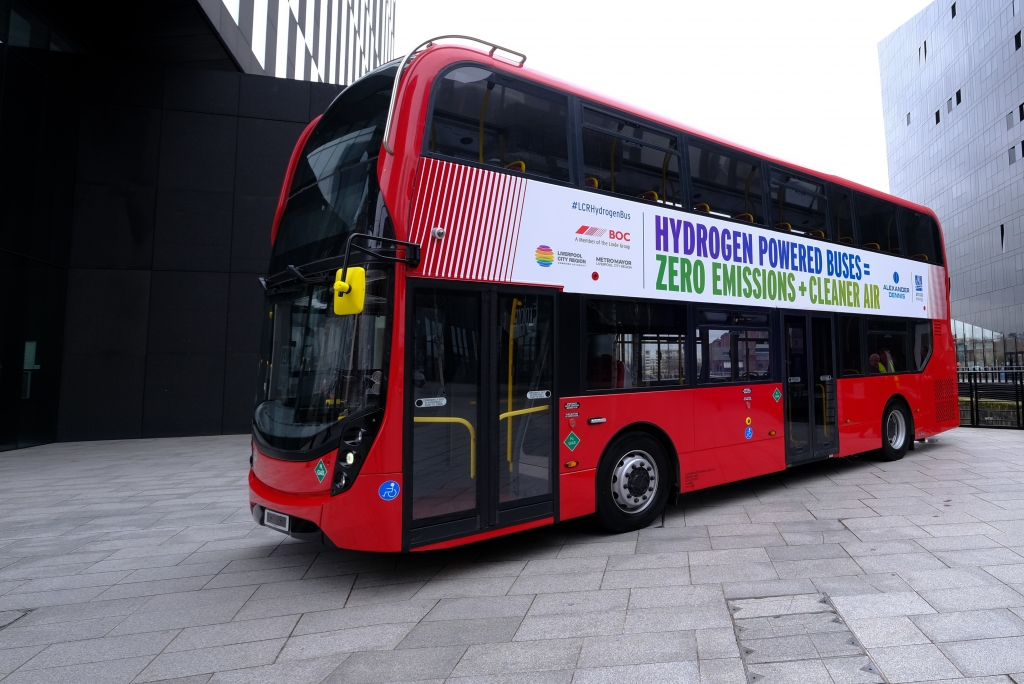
x=876 y=224
x=736 y=354
x=841 y=206
x=635 y=344
x=921 y=237
x=849 y=331
x=798 y=205
x=629 y=159
x=887 y=345
x=922 y=336
x=489 y=119
x=726 y=183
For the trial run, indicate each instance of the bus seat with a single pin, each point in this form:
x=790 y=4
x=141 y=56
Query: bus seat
x=649 y=195
x=817 y=234
x=591 y=182
x=894 y=252
x=919 y=256
x=872 y=246
x=850 y=371
x=518 y=165
x=846 y=240
x=749 y=218
x=782 y=225
x=706 y=208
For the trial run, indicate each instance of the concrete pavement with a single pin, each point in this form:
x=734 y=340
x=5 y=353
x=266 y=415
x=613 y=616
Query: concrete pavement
x=137 y=561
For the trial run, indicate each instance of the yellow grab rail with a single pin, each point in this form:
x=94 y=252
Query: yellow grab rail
x=460 y=421
x=512 y=414
x=519 y=412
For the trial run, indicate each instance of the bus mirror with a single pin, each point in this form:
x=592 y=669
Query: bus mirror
x=350 y=292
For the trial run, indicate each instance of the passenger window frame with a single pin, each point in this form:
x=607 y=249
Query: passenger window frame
x=741 y=155
x=808 y=179
x=580 y=125
x=773 y=344
x=688 y=346
x=509 y=80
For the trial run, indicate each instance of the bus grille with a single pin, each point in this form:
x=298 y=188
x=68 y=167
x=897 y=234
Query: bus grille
x=946 y=401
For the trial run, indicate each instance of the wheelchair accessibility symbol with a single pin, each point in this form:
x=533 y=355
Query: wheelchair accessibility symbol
x=389 y=490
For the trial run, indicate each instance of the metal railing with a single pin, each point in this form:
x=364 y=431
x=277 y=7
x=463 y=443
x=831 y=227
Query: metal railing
x=991 y=398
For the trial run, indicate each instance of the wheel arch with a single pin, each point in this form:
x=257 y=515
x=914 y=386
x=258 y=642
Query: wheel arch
x=657 y=433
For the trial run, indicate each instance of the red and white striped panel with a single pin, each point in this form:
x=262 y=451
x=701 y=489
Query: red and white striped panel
x=480 y=212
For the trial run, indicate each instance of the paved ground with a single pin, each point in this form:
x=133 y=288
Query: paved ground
x=138 y=562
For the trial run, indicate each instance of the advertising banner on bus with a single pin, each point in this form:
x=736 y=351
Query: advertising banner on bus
x=598 y=244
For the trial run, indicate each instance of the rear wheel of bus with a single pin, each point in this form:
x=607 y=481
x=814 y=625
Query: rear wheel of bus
x=897 y=431
x=632 y=482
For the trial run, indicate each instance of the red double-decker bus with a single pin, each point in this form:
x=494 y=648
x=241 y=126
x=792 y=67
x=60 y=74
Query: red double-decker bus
x=497 y=301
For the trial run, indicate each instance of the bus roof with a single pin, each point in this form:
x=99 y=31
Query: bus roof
x=450 y=54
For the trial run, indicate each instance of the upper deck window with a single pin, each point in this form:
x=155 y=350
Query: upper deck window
x=876 y=224
x=841 y=206
x=630 y=159
x=484 y=117
x=921 y=237
x=798 y=205
x=726 y=183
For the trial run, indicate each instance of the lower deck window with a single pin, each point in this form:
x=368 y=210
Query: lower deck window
x=635 y=344
x=733 y=355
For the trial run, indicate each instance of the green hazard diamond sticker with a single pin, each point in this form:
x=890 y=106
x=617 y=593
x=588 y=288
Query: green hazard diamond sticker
x=776 y=395
x=320 y=470
x=572 y=441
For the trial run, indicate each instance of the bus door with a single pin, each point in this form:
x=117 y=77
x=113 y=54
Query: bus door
x=480 y=426
x=810 y=410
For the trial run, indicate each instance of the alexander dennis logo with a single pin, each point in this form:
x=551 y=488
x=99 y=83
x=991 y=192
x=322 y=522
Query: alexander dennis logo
x=545 y=256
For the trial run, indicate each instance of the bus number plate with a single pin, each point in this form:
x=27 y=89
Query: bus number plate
x=279 y=521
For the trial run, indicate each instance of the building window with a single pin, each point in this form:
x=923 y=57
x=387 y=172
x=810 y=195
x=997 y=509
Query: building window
x=949 y=105
x=926 y=50
x=908 y=118
x=958 y=97
x=1020 y=112
x=1002 y=236
x=1016 y=41
x=936 y=116
x=953 y=11
x=1013 y=154
x=1009 y=121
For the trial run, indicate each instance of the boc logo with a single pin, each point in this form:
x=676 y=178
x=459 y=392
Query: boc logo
x=389 y=490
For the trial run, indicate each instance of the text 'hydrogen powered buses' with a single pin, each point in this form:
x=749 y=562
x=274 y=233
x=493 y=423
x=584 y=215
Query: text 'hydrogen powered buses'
x=496 y=301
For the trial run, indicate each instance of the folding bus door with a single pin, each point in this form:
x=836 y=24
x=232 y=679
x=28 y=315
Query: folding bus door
x=481 y=430
x=809 y=374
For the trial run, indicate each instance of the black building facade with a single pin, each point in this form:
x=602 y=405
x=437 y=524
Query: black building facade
x=137 y=192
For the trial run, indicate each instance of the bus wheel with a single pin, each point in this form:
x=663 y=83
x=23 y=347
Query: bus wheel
x=632 y=483
x=896 y=430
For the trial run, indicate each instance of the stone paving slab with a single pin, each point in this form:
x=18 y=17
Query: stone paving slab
x=137 y=561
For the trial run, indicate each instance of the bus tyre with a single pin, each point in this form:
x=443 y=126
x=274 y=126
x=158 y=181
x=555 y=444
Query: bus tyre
x=897 y=430
x=632 y=483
